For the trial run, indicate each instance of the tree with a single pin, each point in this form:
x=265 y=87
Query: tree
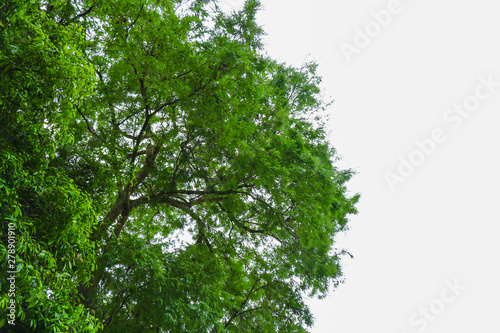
x=216 y=196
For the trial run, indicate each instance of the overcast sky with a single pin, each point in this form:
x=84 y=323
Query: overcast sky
x=417 y=99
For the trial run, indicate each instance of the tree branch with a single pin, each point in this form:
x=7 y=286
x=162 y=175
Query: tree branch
x=89 y=127
x=84 y=13
x=237 y=314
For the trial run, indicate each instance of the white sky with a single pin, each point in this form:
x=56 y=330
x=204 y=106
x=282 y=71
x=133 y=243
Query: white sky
x=441 y=223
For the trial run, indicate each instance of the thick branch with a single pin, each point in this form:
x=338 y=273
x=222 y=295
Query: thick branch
x=151 y=154
x=125 y=214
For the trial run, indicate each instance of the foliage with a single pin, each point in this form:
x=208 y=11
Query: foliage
x=215 y=190
x=43 y=74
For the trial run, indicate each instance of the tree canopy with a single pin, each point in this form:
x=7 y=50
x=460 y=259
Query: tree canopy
x=164 y=174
